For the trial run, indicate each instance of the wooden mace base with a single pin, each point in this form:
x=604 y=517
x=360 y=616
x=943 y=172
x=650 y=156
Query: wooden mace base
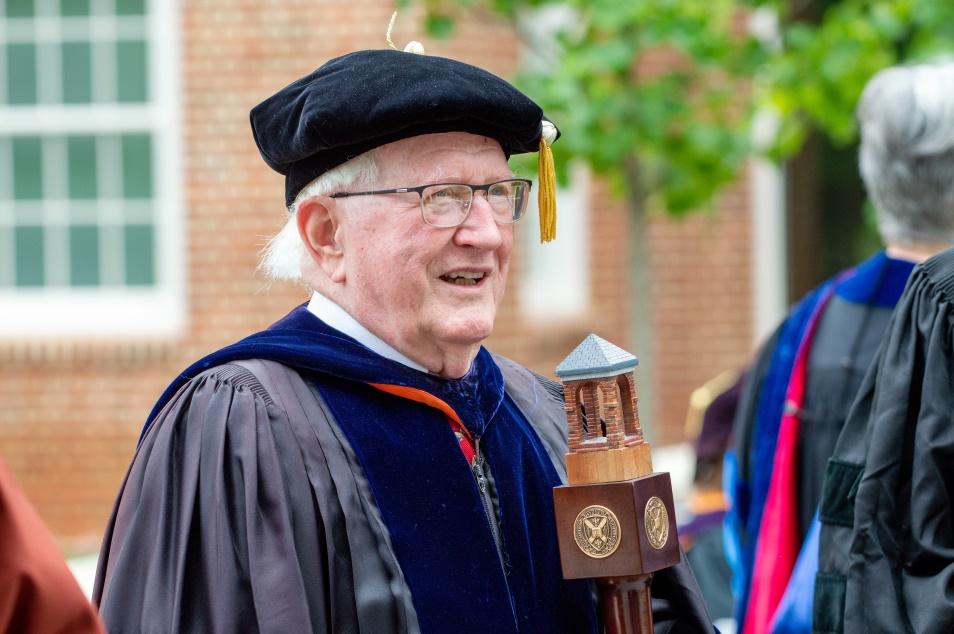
x=616 y=529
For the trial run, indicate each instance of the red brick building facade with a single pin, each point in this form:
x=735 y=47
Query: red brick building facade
x=72 y=405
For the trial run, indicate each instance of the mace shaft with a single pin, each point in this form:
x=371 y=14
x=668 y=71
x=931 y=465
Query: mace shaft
x=627 y=604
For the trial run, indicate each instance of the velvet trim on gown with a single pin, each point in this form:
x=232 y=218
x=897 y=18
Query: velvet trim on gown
x=424 y=486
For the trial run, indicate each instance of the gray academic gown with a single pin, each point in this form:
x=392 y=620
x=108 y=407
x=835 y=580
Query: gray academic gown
x=245 y=509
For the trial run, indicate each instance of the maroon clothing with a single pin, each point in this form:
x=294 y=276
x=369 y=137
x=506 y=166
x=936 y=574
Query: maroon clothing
x=38 y=593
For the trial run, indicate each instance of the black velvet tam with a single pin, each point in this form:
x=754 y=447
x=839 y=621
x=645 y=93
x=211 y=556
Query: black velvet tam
x=366 y=99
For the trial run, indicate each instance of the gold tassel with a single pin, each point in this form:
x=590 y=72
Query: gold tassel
x=388 y=35
x=546 y=197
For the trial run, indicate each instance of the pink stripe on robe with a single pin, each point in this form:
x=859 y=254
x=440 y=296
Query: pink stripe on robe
x=777 y=547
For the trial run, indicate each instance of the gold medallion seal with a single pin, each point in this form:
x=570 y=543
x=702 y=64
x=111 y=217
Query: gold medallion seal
x=657 y=523
x=596 y=531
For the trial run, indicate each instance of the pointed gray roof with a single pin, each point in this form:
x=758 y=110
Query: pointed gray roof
x=596 y=358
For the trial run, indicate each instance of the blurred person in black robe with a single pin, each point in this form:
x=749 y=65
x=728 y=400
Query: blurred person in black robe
x=887 y=541
x=807 y=376
x=365 y=465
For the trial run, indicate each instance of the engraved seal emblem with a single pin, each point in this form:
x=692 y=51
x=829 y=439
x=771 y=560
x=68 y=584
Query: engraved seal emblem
x=657 y=523
x=596 y=530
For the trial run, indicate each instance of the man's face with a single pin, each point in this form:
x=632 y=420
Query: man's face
x=405 y=280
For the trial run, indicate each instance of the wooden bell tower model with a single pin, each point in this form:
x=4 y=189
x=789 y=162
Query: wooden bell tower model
x=615 y=516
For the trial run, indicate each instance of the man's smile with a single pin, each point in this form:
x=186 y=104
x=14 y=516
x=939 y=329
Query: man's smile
x=463 y=278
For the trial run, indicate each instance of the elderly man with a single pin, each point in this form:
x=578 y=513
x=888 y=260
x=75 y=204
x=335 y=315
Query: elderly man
x=364 y=465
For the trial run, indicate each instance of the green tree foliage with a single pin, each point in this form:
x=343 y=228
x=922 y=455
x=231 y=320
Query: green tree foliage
x=815 y=79
x=659 y=95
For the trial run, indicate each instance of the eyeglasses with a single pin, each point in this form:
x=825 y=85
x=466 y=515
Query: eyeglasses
x=447 y=204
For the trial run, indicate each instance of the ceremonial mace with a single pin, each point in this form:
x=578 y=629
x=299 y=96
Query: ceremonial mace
x=615 y=516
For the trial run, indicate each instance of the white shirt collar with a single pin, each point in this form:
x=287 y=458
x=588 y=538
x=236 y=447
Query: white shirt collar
x=336 y=317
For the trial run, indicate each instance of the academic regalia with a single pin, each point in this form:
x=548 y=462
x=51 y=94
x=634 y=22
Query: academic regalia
x=702 y=539
x=791 y=413
x=321 y=487
x=298 y=481
x=886 y=559
x=709 y=422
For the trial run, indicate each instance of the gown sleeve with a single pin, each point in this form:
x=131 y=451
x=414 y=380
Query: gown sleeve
x=901 y=560
x=241 y=513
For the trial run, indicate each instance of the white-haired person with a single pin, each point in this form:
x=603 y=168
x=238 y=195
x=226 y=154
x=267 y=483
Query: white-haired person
x=807 y=376
x=886 y=552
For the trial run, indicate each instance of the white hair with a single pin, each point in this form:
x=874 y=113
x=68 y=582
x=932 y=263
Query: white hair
x=284 y=255
x=906 y=115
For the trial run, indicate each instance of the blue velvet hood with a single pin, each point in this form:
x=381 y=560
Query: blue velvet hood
x=425 y=488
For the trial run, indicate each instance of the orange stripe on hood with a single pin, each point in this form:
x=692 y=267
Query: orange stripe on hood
x=420 y=396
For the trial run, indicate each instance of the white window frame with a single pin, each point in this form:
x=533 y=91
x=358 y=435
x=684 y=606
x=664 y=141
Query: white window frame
x=114 y=312
x=555 y=279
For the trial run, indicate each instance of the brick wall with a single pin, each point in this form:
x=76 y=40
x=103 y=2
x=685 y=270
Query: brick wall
x=72 y=410
x=702 y=305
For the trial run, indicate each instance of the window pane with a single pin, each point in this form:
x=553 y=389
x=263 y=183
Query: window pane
x=137 y=166
x=84 y=256
x=81 y=151
x=21 y=73
x=27 y=168
x=131 y=71
x=130 y=7
x=28 y=243
x=19 y=8
x=74 y=7
x=140 y=266
x=77 y=74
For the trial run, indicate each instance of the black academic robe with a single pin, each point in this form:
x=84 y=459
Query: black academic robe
x=246 y=508
x=840 y=325
x=886 y=556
